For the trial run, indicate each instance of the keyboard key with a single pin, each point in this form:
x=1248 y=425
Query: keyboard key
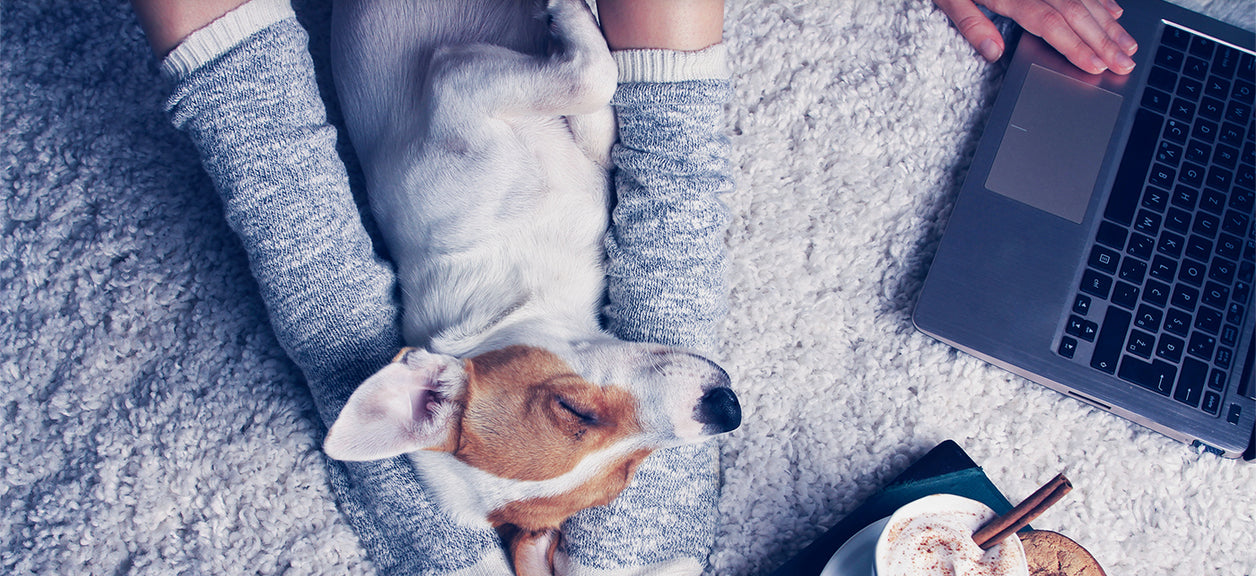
x=1177 y=322
x=1241 y=199
x=1148 y=318
x=1217 y=87
x=1133 y=271
x=1192 y=272
x=1234 y=313
x=1230 y=134
x=1224 y=357
x=1147 y=222
x=1068 y=347
x=1159 y=101
x=1245 y=70
x=1212 y=201
x=1242 y=91
x=1201 y=47
x=1170 y=58
x=1229 y=246
x=1205 y=131
x=1238 y=112
x=1183 y=109
x=1221 y=270
x=1108 y=345
x=1081 y=305
x=1111 y=235
x=1206 y=225
x=1176 y=130
x=1220 y=178
x=1192 y=175
x=1185 y=297
x=1201 y=346
x=1170 y=348
x=1212 y=403
x=1170 y=154
x=1178 y=220
x=1208 y=320
x=1210 y=108
x=1156 y=375
x=1216 y=379
x=1226 y=156
x=1216 y=295
x=1197 y=246
x=1128 y=187
x=1196 y=68
x=1229 y=335
x=1190 y=383
x=1162 y=78
x=1104 y=259
x=1189 y=88
x=1186 y=198
x=1175 y=38
x=1140 y=344
x=1164 y=268
x=1224 y=62
x=1245 y=177
x=1236 y=223
x=1162 y=176
x=1125 y=294
x=1156 y=293
x=1096 y=284
x=1081 y=328
x=1140 y=246
x=1171 y=245
x=1198 y=152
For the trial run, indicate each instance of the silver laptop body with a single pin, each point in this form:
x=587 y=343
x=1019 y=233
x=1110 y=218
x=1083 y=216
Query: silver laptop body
x=1123 y=282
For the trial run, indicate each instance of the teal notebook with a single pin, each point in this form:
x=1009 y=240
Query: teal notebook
x=946 y=469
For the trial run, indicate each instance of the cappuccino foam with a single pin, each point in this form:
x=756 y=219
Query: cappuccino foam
x=936 y=539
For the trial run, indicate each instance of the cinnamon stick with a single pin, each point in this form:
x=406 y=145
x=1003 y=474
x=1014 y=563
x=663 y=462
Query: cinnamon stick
x=1024 y=513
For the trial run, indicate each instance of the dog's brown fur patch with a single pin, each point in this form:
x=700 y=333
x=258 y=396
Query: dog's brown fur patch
x=528 y=416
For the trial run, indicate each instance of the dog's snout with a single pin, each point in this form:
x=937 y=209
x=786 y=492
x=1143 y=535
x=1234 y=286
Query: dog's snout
x=719 y=411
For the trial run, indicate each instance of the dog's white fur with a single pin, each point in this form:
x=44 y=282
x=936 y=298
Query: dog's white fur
x=484 y=130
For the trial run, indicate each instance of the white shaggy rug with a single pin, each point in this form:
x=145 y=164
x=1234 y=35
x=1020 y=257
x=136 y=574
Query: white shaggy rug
x=150 y=424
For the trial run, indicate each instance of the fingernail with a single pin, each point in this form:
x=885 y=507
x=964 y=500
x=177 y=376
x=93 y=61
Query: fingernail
x=1096 y=65
x=1127 y=43
x=990 y=49
x=1124 y=63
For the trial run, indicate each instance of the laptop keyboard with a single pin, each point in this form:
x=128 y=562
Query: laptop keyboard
x=1169 y=275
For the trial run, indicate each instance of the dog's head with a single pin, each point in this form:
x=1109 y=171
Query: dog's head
x=570 y=424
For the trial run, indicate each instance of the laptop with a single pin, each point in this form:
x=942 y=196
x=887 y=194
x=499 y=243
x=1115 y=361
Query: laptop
x=1103 y=243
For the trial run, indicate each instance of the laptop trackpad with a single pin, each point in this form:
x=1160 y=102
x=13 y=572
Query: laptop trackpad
x=1054 y=145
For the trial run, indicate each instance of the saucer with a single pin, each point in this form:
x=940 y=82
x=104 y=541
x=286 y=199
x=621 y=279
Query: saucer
x=856 y=556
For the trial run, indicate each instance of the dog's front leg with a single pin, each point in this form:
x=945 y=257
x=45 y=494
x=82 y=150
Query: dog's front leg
x=480 y=80
x=533 y=552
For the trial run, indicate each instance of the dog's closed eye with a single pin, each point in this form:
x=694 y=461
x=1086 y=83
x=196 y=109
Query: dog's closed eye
x=586 y=416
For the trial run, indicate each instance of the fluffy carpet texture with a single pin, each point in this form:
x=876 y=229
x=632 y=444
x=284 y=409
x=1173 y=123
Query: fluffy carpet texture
x=150 y=424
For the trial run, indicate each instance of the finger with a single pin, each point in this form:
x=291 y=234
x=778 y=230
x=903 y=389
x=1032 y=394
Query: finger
x=974 y=27
x=1095 y=25
x=1066 y=25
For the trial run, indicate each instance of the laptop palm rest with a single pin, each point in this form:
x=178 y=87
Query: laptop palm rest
x=1054 y=145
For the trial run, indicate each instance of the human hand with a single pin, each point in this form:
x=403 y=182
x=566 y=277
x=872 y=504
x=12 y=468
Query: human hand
x=1084 y=31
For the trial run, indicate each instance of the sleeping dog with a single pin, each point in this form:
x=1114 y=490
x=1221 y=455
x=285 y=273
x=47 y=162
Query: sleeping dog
x=484 y=132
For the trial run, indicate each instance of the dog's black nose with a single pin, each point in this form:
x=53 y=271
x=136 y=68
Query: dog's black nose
x=719 y=411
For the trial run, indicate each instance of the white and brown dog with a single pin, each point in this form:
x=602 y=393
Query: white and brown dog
x=484 y=131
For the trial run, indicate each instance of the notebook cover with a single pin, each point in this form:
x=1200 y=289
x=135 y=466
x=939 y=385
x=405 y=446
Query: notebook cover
x=945 y=469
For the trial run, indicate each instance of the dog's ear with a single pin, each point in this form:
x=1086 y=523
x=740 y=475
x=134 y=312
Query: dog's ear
x=411 y=404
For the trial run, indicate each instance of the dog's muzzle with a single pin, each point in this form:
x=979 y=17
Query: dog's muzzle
x=718 y=411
